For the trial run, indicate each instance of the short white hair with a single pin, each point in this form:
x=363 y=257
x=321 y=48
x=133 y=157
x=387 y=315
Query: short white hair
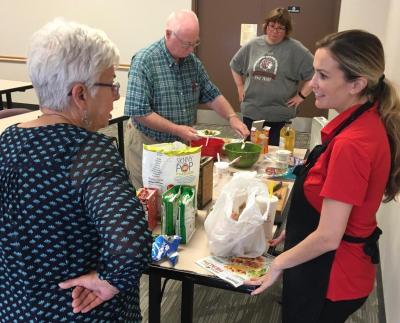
x=63 y=53
x=176 y=19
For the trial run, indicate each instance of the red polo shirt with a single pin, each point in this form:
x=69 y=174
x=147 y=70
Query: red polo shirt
x=354 y=169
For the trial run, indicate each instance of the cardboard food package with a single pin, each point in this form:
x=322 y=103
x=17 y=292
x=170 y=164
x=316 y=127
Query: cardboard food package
x=148 y=198
x=205 y=187
x=178 y=212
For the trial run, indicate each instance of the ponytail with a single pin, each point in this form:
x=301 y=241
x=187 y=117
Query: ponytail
x=389 y=110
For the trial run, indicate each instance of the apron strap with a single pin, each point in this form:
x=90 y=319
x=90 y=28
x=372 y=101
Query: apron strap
x=371 y=244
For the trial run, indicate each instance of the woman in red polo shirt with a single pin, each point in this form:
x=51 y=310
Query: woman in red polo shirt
x=331 y=238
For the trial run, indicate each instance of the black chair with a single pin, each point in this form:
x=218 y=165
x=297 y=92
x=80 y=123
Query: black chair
x=12 y=112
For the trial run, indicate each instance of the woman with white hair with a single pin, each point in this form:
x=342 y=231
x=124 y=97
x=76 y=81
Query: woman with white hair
x=71 y=226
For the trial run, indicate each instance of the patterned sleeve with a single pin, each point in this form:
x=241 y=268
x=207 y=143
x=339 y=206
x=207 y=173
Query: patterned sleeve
x=110 y=201
x=208 y=90
x=139 y=90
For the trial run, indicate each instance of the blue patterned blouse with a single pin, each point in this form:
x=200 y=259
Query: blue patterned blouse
x=66 y=207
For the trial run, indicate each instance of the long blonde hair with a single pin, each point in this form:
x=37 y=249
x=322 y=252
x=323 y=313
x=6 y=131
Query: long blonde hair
x=360 y=53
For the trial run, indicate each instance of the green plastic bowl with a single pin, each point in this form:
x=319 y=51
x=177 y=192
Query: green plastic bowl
x=249 y=154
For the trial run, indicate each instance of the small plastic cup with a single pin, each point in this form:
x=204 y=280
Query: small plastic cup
x=270 y=217
x=221 y=167
x=282 y=157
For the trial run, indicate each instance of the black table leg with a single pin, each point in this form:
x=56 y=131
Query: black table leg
x=1 y=101
x=9 y=100
x=187 y=301
x=121 y=139
x=154 y=298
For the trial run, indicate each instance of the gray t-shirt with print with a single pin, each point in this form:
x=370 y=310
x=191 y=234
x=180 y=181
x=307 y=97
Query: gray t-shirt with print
x=272 y=75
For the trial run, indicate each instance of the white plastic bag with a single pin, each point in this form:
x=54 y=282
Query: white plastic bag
x=244 y=237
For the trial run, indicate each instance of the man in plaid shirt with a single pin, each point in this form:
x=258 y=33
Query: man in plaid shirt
x=166 y=83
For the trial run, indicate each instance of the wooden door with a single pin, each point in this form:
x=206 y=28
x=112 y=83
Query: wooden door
x=220 y=23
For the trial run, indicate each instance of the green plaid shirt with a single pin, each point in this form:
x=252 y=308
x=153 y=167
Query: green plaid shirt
x=157 y=83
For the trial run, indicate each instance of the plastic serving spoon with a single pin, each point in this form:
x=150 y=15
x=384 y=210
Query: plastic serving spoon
x=243 y=143
x=234 y=161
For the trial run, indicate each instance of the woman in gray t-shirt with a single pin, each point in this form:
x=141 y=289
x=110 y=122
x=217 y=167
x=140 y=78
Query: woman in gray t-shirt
x=267 y=71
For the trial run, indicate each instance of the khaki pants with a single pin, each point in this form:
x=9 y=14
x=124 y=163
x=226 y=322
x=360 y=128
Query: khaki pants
x=134 y=153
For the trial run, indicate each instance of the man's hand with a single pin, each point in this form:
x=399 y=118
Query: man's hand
x=239 y=127
x=88 y=291
x=186 y=133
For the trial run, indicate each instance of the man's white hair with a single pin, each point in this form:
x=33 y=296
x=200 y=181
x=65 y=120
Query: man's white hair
x=176 y=19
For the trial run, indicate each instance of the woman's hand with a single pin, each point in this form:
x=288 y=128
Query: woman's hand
x=88 y=291
x=295 y=101
x=265 y=281
x=276 y=241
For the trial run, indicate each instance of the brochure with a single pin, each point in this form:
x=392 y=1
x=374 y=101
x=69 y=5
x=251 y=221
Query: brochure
x=235 y=270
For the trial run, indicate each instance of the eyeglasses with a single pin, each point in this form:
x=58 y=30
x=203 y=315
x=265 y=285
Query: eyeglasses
x=186 y=44
x=277 y=28
x=115 y=87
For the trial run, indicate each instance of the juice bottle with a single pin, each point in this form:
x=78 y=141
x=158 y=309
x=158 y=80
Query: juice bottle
x=265 y=143
x=253 y=135
x=287 y=137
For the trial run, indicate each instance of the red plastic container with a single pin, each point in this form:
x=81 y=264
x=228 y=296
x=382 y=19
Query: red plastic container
x=213 y=147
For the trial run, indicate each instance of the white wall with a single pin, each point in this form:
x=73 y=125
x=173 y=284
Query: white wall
x=389 y=215
x=357 y=14
x=382 y=19
x=130 y=24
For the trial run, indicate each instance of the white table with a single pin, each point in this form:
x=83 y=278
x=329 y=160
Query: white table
x=7 y=87
x=187 y=271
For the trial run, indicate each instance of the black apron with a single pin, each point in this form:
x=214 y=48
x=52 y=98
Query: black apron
x=305 y=285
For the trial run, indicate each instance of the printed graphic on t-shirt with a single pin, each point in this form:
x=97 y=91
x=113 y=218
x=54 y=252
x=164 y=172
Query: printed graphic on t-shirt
x=265 y=68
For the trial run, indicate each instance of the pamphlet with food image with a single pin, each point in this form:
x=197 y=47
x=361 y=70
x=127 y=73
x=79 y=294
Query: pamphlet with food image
x=236 y=270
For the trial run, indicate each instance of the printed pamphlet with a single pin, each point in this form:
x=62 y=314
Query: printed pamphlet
x=236 y=270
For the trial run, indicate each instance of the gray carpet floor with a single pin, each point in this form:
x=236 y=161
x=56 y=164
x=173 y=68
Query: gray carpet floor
x=213 y=305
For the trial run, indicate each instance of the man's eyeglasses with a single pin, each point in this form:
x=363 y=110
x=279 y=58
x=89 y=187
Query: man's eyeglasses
x=114 y=86
x=186 y=44
x=277 y=28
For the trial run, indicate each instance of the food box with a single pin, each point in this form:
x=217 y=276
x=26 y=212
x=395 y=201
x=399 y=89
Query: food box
x=186 y=221
x=169 y=210
x=148 y=198
x=178 y=212
x=205 y=185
